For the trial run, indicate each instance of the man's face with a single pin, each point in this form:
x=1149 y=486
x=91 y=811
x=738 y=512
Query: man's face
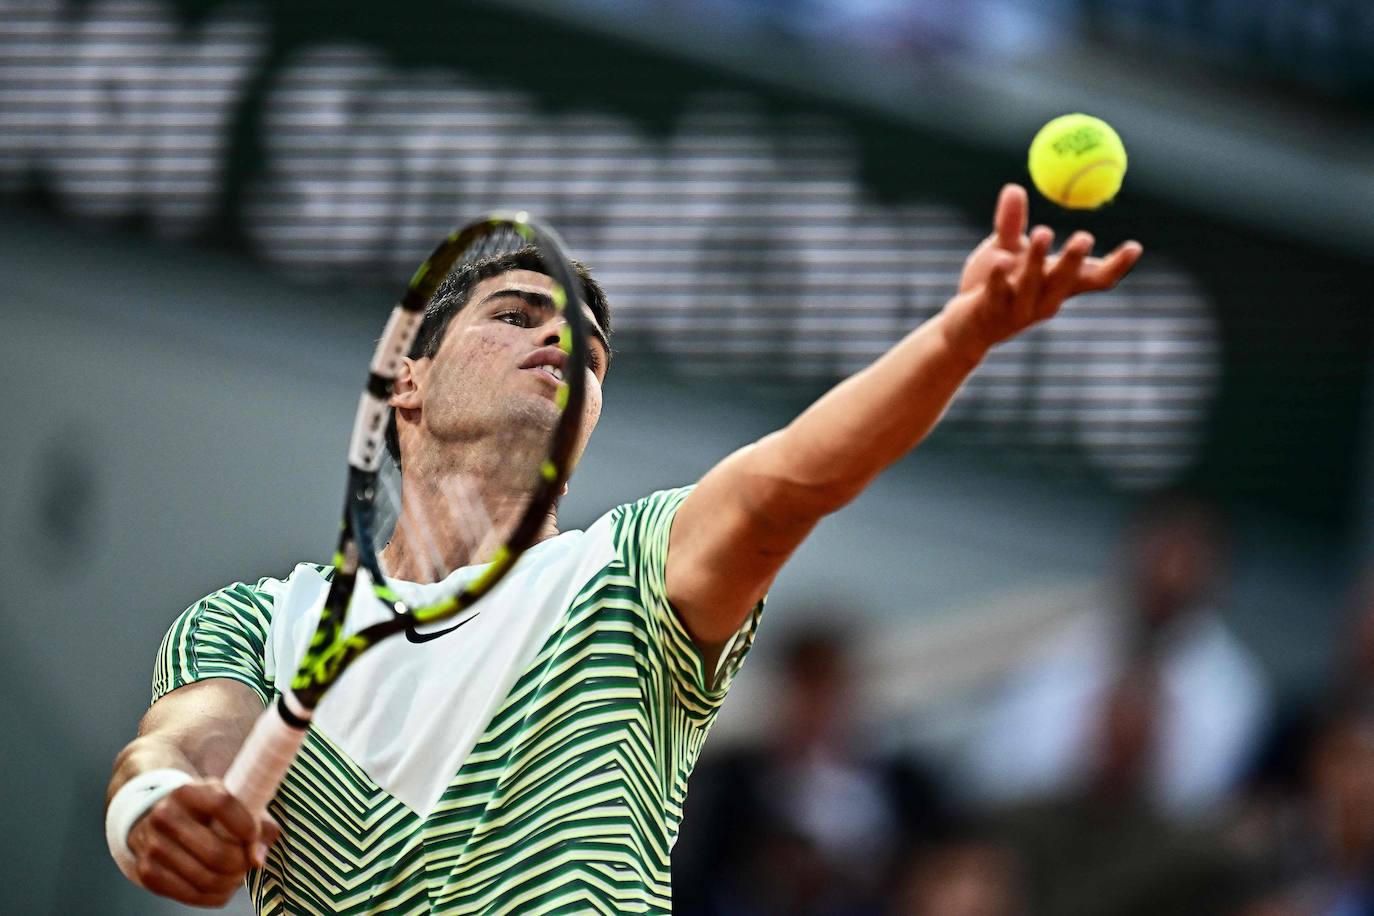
x=495 y=375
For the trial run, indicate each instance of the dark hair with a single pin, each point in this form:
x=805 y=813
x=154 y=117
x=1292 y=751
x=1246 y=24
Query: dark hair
x=453 y=294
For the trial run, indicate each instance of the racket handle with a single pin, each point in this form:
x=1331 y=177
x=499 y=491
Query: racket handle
x=264 y=758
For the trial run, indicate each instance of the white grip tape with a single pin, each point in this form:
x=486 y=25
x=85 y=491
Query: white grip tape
x=369 y=434
x=130 y=803
x=395 y=342
x=263 y=760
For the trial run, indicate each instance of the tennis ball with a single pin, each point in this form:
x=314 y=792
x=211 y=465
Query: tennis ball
x=1077 y=161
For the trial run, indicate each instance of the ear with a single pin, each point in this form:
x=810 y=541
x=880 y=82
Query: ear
x=405 y=393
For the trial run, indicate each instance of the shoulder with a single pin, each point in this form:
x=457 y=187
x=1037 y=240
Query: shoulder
x=255 y=604
x=646 y=517
x=227 y=634
x=299 y=594
x=272 y=587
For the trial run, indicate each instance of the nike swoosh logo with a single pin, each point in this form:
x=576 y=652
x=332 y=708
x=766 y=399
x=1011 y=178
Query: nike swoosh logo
x=415 y=636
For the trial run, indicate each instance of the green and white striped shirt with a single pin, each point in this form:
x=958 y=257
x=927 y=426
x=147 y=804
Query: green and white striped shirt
x=535 y=760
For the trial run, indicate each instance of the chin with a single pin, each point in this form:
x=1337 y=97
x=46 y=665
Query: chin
x=534 y=411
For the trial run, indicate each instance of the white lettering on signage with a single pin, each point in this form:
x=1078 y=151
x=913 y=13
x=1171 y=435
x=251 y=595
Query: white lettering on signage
x=740 y=243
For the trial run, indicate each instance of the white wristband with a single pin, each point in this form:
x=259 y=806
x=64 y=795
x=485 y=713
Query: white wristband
x=130 y=803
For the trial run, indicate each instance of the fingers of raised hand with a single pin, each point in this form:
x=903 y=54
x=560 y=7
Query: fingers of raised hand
x=1104 y=273
x=1062 y=272
x=1030 y=273
x=1009 y=219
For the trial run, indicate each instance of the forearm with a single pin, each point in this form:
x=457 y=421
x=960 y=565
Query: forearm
x=144 y=754
x=196 y=729
x=828 y=454
x=747 y=516
x=186 y=837
x=206 y=753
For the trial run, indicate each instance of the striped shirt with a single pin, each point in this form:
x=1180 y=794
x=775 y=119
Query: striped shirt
x=567 y=794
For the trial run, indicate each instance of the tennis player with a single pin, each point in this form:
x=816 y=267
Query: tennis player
x=534 y=758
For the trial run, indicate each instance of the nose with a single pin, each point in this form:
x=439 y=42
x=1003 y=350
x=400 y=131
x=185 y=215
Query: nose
x=551 y=331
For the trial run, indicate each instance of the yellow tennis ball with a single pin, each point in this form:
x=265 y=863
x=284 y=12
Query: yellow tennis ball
x=1078 y=161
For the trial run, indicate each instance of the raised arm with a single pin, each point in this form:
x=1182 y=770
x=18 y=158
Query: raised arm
x=750 y=512
x=197 y=842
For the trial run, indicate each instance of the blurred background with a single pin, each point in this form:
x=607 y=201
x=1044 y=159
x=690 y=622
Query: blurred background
x=1105 y=645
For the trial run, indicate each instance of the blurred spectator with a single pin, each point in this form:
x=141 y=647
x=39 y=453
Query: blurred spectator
x=1280 y=773
x=1104 y=849
x=964 y=874
x=808 y=822
x=1354 y=681
x=1318 y=835
x=1213 y=699
x=1309 y=812
x=1341 y=770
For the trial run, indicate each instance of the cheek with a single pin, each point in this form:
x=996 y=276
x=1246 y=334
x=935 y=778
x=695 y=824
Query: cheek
x=591 y=412
x=488 y=348
x=468 y=366
x=591 y=406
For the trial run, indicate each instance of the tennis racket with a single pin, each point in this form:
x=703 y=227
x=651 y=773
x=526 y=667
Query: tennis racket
x=441 y=528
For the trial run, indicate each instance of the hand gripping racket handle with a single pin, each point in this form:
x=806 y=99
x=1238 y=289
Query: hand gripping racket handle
x=266 y=755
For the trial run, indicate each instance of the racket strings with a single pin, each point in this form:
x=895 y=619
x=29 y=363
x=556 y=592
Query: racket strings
x=502 y=241
x=412 y=531
x=426 y=526
x=450 y=524
x=464 y=504
x=454 y=521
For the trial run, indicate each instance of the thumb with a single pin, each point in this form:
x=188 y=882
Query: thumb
x=268 y=833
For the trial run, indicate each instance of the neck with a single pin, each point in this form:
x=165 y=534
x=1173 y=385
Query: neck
x=458 y=515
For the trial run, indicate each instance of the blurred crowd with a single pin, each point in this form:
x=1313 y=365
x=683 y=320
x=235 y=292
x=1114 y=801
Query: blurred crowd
x=1324 y=46
x=1136 y=762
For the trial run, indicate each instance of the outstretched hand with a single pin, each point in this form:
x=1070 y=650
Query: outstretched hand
x=1011 y=281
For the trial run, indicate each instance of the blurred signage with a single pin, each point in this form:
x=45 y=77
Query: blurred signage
x=736 y=242
x=1326 y=47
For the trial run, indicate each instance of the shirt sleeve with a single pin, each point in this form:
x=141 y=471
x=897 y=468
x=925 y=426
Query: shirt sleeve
x=222 y=635
x=642 y=545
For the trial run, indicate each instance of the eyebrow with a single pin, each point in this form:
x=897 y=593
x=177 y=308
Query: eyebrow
x=543 y=300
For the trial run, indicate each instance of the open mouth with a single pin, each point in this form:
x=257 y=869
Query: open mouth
x=552 y=371
x=547 y=360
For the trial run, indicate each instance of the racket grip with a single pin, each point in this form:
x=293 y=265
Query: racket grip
x=264 y=758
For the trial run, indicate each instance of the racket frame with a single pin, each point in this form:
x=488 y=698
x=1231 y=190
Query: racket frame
x=277 y=735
